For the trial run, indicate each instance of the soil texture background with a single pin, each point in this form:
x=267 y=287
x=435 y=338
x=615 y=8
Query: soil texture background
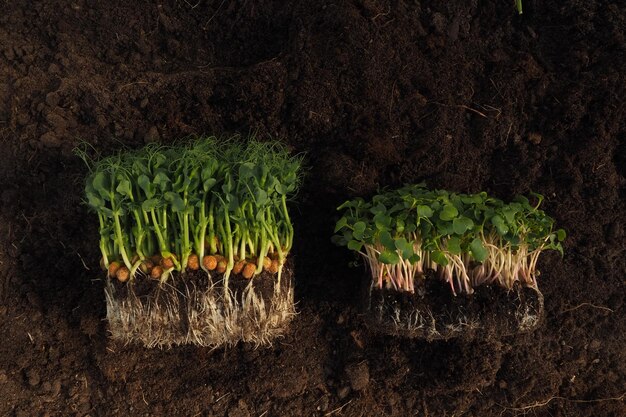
x=465 y=95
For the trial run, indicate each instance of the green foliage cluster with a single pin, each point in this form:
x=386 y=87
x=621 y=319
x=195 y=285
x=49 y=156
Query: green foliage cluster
x=438 y=228
x=205 y=197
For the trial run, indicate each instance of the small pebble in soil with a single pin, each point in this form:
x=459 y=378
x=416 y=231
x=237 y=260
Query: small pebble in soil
x=240 y=410
x=358 y=374
x=33 y=377
x=595 y=345
x=323 y=404
x=152 y=135
x=50 y=140
x=343 y=392
x=534 y=138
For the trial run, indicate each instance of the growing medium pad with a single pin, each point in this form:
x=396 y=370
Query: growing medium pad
x=192 y=310
x=195 y=238
x=446 y=264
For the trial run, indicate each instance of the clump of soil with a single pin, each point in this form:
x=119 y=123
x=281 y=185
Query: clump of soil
x=194 y=308
x=433 y=313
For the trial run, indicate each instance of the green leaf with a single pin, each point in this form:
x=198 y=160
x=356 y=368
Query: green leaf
x=462 y=224
x=382 y=221
x=399 y=226
x=561 y=235
x=341 y=223
x=405 y=247
x=101 y=183
x=339 y=240
x=389 y=257
x=208 y=184
x=472 y=199
x=509 y=214
x=387 y=241
x=260 y=196
x=150 y=204
x=146 y=185
x=355 y=245
x=282 y=189
x=478 y=250
x=454 y=245
x=94 y=200
x=401 y=243
x=208 y=171
x=175 y=201
x=415 y=258
x=501 y=227
x=424 y=211
x=359 y=228
x=124 y=188
x=448 y=212
x=439 y=257
x=246 y=171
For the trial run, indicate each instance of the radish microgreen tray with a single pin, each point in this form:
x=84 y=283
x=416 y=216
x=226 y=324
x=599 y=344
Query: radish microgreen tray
x=467 y=239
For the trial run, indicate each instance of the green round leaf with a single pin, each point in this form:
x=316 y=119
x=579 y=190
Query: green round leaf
x=439 y=257
x=454 y=245
x=478 y=250
x=387 y=241
x=424 y=211
x=448 y=212
x=355 y=245
x=341 y=223
x=462 y=224
x=389 y=257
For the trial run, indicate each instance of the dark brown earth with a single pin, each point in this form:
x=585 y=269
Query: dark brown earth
x=467 y=96
x=431 y=313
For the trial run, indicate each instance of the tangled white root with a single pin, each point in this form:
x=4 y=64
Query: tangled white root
x=172 y=316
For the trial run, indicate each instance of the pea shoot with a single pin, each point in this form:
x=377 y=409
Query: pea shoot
x=209 y=206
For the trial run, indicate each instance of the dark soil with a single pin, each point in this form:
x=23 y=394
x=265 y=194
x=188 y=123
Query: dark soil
x=466 y=96
x=431 y=312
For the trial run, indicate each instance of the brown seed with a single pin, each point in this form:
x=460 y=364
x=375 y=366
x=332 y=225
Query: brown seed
x=113 y=267
x=146 y=266
x=156 y=272
x=267 y=263
x=122 y=274
x=209 y=262
x=192 y=262
x=249 y=270
x=221 y=266
x=156 y=259
x=167 y=263
x=238 y=267
x=274 y=268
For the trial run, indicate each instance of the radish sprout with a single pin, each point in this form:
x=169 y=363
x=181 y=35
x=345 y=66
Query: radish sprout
x=467 y=239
